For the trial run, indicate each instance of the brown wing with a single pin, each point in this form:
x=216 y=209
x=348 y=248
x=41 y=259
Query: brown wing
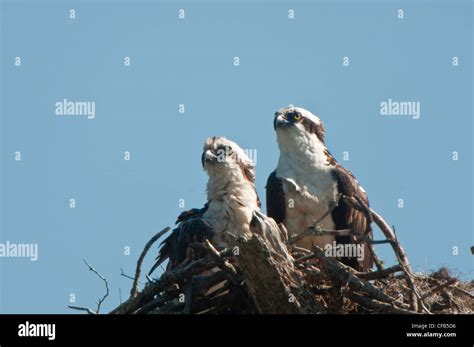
x=248 y=171
x=276 y=207
x=346 y=217
x=190 y=228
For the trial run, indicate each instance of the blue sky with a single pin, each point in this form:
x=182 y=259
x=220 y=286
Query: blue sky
x=173 y=61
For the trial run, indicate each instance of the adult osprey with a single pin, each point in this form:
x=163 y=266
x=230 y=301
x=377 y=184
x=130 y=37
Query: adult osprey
x=231 y=200
x=308 y=182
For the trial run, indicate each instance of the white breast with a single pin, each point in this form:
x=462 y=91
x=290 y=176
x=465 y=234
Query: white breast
x=310 y=192
x=230 y=211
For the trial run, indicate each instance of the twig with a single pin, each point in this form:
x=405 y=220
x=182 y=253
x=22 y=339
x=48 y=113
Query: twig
x=378 y=305
x=87 y=309
x=415 y=297
x=125 y=275
x=101 y=300
x=134 y=290
x=99 y=304
x=369 y=276
x=448 y=283
x=377 y=261
x=227 y=267
x=304 y=258
x=122 y=273
x=297 y=249
x=159 y=301
x=465 y=292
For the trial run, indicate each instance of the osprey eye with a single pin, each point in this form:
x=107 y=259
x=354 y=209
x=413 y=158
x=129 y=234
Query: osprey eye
x=297 y=116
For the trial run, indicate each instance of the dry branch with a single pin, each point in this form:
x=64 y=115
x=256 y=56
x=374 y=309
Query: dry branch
x=134 y=290
x=379 y=306
x=385 y=228
x=369 y=276
x=397 y=247
x=340 y=273
x=166 y=280
x=101 y=300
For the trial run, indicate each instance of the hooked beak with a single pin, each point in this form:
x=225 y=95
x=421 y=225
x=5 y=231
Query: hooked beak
x=208 y=158
x=280 y=121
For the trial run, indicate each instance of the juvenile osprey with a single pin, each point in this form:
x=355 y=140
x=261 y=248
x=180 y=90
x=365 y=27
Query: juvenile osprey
x=231 y=200
x=308 y=183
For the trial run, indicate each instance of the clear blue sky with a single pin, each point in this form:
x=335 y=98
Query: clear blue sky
x=123 y=203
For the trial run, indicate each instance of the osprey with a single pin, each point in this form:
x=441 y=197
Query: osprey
x=231 y=201
x=307 y=185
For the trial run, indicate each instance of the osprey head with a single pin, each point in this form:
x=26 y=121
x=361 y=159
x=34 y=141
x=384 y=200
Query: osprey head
x=296 y=123
x=225 y=158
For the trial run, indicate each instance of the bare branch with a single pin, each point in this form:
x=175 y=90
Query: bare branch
x=397 y=247
x=122 y=273
x=79 y=308
x=378 y=305
x=221 y=262
x=462 y=291
x=369 y=276
x=178 y=275
x=134 y=290
x=99 y=304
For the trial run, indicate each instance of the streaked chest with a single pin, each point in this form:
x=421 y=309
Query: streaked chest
x=229 y=216
x=310 y=192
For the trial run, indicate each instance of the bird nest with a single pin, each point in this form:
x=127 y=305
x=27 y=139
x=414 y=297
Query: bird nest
x=326 y=286
x=266 y=274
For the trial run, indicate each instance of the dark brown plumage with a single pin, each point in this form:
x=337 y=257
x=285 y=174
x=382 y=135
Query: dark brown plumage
x=190 y=228
x=346 y=217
